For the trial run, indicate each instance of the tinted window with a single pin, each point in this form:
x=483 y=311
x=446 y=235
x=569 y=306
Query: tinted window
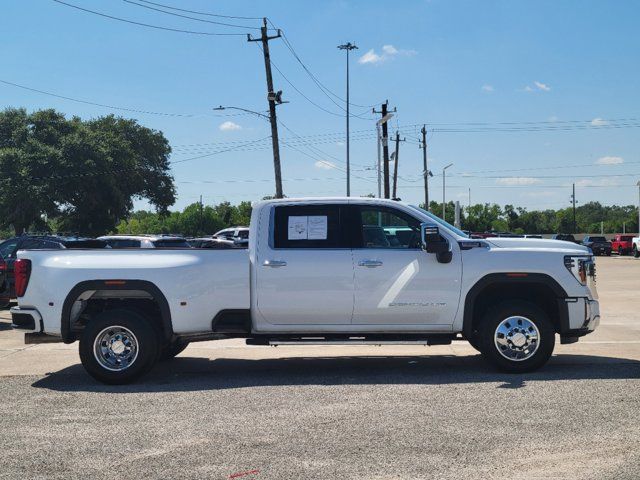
x=8 y=248
x=383 y=227
x=309 y=226
x=597 y=239
x=124 y=243
x=244 y=234
x=172 y=243
x=34 y=244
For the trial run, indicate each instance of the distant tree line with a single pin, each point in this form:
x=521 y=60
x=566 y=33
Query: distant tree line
x=487 y=217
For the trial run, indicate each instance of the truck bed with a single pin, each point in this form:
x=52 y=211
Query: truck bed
x=197 y=284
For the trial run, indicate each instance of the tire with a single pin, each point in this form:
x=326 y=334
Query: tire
x=173 y=349
x=516 y=351
x=5 y=303
x=636 y=253
x=118 y=346
x=620 y=251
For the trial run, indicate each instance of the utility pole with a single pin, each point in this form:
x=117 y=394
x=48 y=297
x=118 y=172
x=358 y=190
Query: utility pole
x=395 y=165
x=201 y=209
x=273 y=97
x=348 y=47
x=386 y=116
x=573 y=200
x=425 y=170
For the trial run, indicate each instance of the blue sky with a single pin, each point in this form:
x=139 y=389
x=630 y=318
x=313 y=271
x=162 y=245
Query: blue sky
x=514 y=93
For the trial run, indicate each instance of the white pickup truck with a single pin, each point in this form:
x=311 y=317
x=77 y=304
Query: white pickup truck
x=331 y=271
x=635 y=246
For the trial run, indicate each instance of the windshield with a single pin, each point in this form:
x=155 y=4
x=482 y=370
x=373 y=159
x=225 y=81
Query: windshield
x=440 y=221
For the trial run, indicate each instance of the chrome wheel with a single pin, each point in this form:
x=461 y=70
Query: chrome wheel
x=115 y=348
x=517 y=338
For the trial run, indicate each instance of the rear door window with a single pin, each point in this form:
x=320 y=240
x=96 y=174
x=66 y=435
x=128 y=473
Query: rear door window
x=309 y=226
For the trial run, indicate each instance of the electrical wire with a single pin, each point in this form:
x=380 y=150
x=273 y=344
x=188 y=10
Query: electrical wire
x=208 y=14
x=190 y=18
x=148 y=25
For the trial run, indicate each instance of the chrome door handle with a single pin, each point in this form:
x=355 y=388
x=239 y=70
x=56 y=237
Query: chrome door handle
x=370 y=263
x=274 y=263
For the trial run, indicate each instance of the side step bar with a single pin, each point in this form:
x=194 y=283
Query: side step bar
x=360 y=340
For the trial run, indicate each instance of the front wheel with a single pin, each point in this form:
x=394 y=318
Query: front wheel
x=118 y=346
x=517 y=337
x=636 y=253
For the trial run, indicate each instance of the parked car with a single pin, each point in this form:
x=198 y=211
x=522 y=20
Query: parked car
x=622 y=244
x=635 y=246
x=5 y=293
x=565 y=237
x=598 y=244
x=10 y=247
x=240 y=235
x=145 y=241
x=207 y=242
x=344 y=270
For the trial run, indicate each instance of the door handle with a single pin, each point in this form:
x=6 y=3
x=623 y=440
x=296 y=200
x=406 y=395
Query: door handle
x=370 y=263
x=274 y=263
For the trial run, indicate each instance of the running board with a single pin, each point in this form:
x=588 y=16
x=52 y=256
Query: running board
x=393 y=340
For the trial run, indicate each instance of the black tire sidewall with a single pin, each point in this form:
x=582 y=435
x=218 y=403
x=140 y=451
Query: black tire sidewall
x=173 y=349
x=147 y=345
x=492 y=319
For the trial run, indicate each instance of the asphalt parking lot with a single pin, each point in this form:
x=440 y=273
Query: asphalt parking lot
x=224 y=410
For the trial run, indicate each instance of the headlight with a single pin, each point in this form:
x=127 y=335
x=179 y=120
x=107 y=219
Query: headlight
x=583 y=268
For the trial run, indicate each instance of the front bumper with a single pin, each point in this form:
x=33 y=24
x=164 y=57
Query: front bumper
x=584 y=318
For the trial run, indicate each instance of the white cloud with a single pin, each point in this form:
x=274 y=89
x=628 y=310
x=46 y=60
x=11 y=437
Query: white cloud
x=543 y=194
x=537 y=86
x=517 y=181
x=487 y=88
x=389 y=49
x=609 y=160
x=370 y=57
x=598 y=122
x=229 y=126
x=324 y=165
x=604 y=182
x=542 y=86
x=388 y=52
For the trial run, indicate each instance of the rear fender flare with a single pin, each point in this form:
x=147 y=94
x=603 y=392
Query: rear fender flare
x=115 y=284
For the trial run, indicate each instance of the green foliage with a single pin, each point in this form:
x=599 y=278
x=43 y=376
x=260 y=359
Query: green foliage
x=195 y=220
x=82 y=174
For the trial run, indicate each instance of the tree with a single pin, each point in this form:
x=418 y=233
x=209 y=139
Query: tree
x=85 y=174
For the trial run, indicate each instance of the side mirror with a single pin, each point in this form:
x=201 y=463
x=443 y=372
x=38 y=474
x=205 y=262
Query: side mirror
x=433 y=242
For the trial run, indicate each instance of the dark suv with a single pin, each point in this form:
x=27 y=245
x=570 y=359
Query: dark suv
x=10 y=247
x=598 y=244
x=567 y=237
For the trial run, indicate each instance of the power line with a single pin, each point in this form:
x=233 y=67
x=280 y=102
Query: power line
x=208 y=14
x=190 y=18
x=87 y=102
x=218 y=152
x=148 y=25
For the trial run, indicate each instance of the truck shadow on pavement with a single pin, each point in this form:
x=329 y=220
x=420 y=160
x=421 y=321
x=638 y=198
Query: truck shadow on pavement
x=198 y=374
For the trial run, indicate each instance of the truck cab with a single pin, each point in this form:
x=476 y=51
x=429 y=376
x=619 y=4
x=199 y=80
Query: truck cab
x=330 y=270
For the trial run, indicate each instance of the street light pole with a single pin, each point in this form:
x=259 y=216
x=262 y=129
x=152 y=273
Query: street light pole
x=444 y=171
x=348 y=47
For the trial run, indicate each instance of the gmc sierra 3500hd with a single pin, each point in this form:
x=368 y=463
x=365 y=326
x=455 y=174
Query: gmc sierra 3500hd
x=332 y=271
